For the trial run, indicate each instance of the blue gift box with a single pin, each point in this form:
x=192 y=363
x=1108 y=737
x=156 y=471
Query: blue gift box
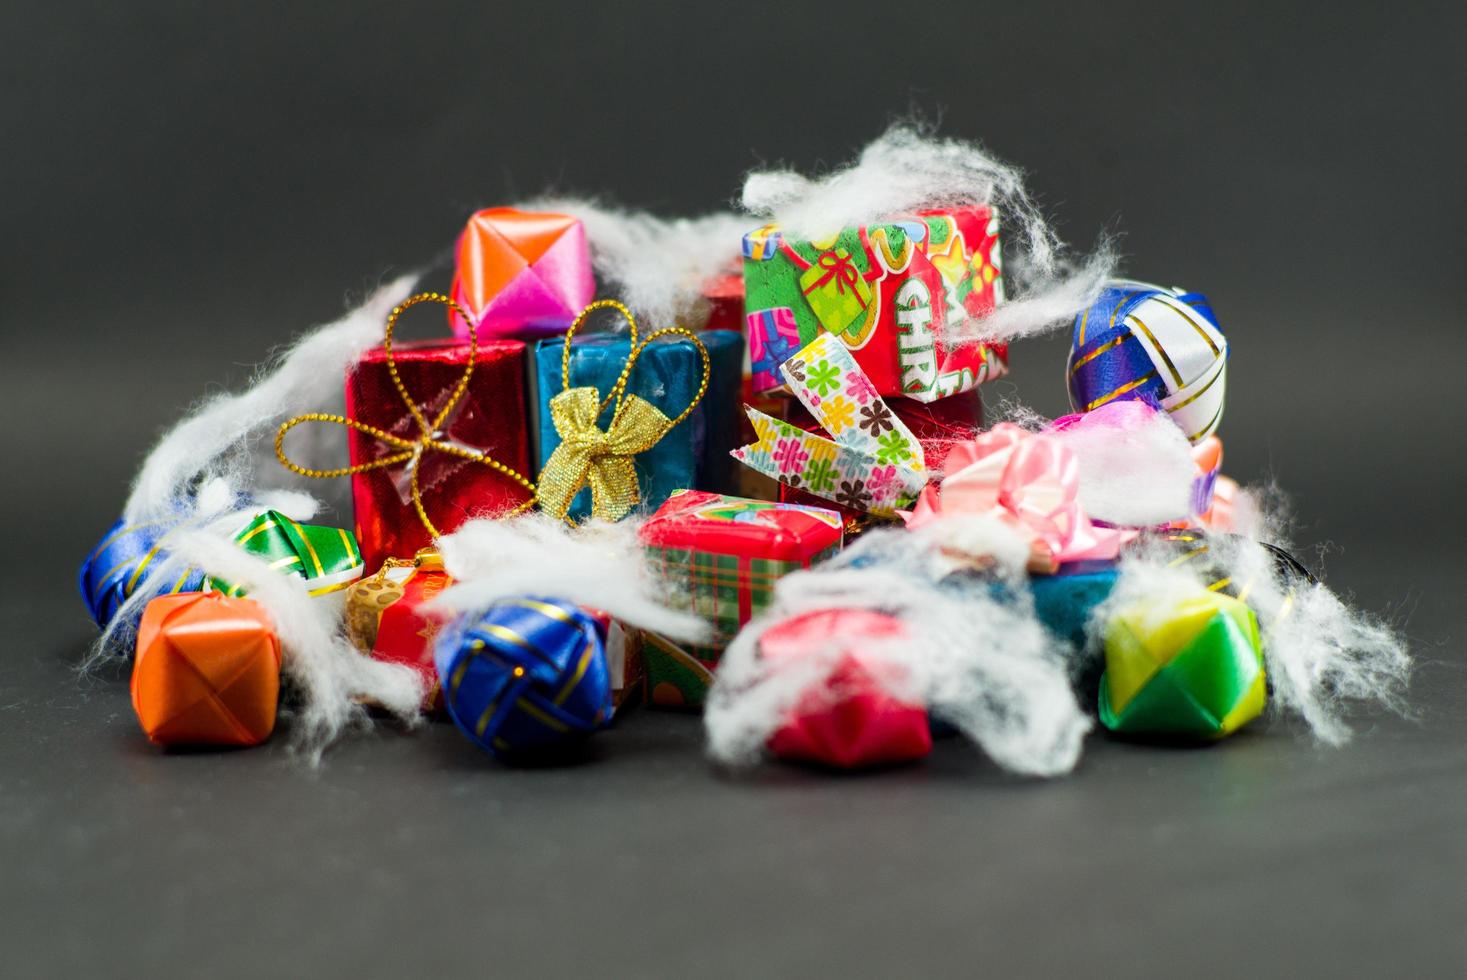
x=694 y=455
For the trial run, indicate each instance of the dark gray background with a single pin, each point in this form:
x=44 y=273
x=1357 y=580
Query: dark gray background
x=181 y=189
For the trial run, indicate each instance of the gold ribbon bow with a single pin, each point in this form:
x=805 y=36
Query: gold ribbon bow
x=602 y=459
x=411 y=450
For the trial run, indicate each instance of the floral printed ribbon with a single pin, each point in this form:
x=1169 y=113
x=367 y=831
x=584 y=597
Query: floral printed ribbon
x=871 y=462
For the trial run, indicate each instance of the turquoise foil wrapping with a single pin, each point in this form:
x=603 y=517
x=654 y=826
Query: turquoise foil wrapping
x=695 y=453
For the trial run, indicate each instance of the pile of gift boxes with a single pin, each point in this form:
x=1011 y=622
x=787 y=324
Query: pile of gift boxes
x=830 y=397
x=781 y=456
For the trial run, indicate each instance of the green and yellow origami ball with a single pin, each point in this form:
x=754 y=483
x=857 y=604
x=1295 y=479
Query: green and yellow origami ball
x=1191 y=668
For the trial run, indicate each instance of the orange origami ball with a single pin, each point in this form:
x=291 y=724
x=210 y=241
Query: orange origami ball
x=521 y=273
x=207 y=671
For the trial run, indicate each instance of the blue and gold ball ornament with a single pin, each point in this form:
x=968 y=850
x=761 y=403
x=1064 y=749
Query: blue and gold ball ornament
x=526 y=675
x=119 y=565
x=1161 y=346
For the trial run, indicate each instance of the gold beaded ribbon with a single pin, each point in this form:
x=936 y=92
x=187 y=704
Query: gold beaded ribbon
x=411 y=451
x=602 y=459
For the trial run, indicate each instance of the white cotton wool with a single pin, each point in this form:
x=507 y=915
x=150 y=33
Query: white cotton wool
x=598 y=564
x=978 y=661
x=1133 y=476
x=229 y=436
x=907 y=170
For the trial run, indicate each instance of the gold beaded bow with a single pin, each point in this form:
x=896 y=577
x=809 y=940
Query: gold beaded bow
x=412 y=450
x=602 y=459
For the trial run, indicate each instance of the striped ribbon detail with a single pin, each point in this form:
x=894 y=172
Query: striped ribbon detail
x=1161 y=346
x=327 y=557
x=528 y=674
x=121 y=562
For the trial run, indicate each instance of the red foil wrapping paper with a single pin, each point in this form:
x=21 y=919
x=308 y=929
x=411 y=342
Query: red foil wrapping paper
x=852 y=720
x=725 y=296
x=490 y=417
x=387 y=618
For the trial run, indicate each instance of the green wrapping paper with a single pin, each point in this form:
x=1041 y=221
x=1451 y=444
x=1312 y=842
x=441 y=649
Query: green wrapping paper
x=327 y=557
x=1191 y=669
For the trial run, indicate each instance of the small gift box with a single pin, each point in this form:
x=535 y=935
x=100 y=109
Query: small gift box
x=521 y=273
x=527 y=675
x=851 y=719
x=387 y=617
x=693 y=453
x=886 y=291
x=488 y=416
x=207 y=671
x=1191 y=668
x=720 y=556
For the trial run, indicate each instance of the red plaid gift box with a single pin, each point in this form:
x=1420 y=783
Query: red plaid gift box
x=721 y=556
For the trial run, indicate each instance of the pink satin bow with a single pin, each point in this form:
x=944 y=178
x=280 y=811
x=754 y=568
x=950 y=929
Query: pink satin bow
x=1030 y=482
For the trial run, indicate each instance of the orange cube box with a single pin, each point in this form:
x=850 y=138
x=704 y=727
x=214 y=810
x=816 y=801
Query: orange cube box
x=207 y=670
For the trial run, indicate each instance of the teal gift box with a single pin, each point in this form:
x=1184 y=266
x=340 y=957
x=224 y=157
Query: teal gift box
x=1064 y=603
x=695 y=454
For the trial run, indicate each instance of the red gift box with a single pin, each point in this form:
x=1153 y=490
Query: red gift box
x=725 y=296
x=852 y=719
x=387 y=619
x=490 y=416
x=937 y=425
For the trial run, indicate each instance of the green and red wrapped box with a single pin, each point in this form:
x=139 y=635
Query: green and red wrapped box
x=888 y=291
